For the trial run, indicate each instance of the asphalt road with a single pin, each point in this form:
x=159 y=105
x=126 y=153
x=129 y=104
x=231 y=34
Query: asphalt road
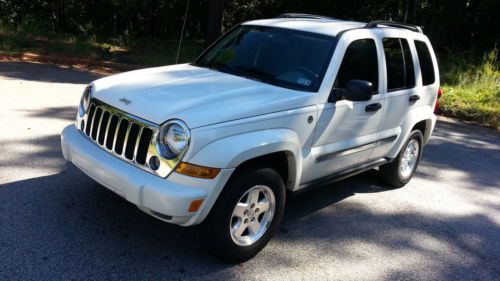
x=57 y=224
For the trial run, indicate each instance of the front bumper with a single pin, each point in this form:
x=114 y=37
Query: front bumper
x=166 y=199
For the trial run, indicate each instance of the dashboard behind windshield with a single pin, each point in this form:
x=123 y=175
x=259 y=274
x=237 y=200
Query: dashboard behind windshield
x=283 y=57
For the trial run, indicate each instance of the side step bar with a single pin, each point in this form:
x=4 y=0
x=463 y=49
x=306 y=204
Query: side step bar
x=340 y=175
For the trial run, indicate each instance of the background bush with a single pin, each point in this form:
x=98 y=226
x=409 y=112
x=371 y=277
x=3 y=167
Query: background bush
x=452 y=25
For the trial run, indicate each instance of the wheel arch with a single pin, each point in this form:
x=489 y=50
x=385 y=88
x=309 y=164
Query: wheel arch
x=422 y=119
x=277 y=148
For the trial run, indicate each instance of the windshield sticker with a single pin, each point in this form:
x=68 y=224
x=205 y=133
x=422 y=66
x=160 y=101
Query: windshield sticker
x=304 y=81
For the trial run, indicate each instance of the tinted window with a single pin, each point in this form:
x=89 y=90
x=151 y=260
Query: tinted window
x=426 y=66
x=399 y=63
x=282 y=57
x=409 y=68
x=360 y=63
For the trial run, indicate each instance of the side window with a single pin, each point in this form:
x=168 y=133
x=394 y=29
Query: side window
x=409 y=68
x=399 y=63
x=426 y=66
x=359 y=62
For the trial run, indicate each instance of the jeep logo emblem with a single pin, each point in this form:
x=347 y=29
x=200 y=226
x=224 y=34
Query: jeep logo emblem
x=125 y=101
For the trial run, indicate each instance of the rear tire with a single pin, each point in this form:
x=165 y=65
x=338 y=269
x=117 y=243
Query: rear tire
x=401 y=170
x=236 y=229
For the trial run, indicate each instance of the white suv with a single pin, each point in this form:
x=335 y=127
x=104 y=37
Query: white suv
x=272 y=107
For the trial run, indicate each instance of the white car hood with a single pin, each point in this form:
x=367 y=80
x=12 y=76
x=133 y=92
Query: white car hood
x=196 y=95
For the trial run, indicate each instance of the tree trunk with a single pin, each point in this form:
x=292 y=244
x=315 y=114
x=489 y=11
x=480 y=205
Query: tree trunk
x=410 y=11
x=214 y=21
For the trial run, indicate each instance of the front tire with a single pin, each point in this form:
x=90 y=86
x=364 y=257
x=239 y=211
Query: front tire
x=246 y=214
x=401 y=170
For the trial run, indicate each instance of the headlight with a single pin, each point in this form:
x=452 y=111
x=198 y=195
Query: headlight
x=174 y=138
x=85 y=101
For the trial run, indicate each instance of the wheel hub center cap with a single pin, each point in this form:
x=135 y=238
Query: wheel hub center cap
x=251 y=213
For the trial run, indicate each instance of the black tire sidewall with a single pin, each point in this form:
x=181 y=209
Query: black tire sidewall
x=216 y=235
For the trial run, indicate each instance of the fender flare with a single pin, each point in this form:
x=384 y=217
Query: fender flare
x=419 y=114
x=237 y=149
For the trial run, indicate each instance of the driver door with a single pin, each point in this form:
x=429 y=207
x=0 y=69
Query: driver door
x=346 y=130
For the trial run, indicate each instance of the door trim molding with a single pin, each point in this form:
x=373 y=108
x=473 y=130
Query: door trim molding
x=359 y=148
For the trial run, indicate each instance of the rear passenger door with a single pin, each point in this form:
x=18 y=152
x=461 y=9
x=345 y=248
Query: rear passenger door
x=400 y=91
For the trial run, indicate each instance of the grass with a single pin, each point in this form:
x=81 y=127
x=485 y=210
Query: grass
x=471 y=85
x=471 y=88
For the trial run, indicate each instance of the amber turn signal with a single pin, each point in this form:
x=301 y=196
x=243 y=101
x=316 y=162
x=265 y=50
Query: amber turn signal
x=195 y=205
x=197 y=171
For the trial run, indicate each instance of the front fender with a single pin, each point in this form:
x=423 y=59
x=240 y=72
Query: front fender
x=230 y=152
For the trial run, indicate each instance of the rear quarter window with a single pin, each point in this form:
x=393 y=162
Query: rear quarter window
x=426 y=66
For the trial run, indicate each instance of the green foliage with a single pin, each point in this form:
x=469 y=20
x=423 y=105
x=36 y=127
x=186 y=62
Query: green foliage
x=472 y=88
x=453 y=25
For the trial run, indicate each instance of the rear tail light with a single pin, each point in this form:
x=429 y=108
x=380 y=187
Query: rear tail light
x=436 y=107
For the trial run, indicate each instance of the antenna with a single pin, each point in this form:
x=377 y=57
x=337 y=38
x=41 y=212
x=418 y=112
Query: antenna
x=182 y=33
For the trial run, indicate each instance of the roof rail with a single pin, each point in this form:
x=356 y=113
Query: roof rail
x=303 y=16
x=374 y=24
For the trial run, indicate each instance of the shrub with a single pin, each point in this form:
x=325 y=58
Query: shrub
x=472 y=89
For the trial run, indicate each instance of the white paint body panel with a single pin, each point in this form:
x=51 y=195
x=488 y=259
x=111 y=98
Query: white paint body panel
x=234 y=119
x=198 y=96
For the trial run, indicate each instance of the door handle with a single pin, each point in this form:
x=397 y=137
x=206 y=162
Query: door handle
x=414 y=98
x=373 y=107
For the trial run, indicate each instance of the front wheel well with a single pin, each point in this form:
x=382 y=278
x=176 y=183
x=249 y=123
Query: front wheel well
x=276 y=160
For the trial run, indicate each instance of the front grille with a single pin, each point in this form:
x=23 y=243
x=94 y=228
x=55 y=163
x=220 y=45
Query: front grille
x=119 y=134
x=126 y=136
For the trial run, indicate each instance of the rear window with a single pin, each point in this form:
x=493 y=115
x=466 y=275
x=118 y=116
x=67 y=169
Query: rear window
x=426 y=66
x=399 y=63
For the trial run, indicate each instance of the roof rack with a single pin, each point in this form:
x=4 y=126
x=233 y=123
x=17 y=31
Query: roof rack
x=303 y=16
x=374 y=24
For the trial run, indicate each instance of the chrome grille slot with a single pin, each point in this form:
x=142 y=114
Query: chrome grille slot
x=111 y=131
x=127 y=137
x=133 y=133
x=103 y=127
x=95 y=122
x=120 y=136
x=142 y=148
x=89 y=120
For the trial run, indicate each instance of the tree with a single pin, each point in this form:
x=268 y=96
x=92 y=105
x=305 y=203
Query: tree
x=214 y=20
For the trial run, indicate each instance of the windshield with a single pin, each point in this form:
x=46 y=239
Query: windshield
x=282 y=57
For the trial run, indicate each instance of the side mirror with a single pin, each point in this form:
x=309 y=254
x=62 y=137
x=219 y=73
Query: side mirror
x=358 y=90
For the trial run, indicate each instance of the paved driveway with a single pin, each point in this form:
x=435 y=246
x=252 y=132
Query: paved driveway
x=57 y=224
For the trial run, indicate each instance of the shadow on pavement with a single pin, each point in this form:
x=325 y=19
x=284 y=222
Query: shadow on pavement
x=67 y=113
x=66 y=226
x=474 y=151
x=45 y=73
x=47 y=153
